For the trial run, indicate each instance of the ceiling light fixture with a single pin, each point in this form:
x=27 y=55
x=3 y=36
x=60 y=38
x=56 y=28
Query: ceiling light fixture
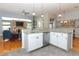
x=42 y=15
x=61 y=21
x=59 y=15
x=33 y=13
x=42 y=11
x=65 y=21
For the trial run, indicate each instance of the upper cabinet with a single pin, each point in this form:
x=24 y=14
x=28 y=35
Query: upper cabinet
x=66 y=23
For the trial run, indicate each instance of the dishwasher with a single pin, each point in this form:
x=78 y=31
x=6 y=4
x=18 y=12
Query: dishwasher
x=46 y=37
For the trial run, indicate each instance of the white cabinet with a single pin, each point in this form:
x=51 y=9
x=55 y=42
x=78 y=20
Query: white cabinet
x=60 y=40
x=53 y=38
x=32 y=41
x=35 y=41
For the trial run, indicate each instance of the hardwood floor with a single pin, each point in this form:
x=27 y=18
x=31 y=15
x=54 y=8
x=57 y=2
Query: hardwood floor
x=76 y=44
x=9 y=46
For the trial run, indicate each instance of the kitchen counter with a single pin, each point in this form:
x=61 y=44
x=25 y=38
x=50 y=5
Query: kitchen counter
x=60 y=30
x=60 y=37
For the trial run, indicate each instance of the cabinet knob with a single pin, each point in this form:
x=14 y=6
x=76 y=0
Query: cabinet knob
x=37 y=37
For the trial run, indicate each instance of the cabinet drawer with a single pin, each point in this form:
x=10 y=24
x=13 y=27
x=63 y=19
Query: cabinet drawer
x=35 y=38
x=35 y=45
x=35 y=41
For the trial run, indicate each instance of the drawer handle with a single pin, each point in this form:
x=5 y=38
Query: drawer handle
x=37 y=37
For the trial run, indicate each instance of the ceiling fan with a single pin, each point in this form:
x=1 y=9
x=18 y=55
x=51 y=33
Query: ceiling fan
x=24 y=12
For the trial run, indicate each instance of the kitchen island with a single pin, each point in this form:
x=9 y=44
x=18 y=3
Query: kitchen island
x=62 y=38
x=32 y=41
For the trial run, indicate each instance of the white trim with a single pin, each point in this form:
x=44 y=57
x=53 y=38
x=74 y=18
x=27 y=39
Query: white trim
x=18 y=19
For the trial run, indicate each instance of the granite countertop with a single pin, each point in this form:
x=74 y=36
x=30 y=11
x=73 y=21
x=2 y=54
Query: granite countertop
x=60 y=30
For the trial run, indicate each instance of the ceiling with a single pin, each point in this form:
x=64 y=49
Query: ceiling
x=51 y=9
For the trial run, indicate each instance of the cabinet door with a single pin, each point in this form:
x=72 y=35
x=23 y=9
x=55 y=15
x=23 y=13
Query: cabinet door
x=35 y=41
x=62 y=41
x=53 y=38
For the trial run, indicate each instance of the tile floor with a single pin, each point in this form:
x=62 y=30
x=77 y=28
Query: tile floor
x=46 y=51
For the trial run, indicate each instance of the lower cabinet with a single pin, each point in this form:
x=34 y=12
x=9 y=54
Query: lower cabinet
x=62 y=43
x=53 y=38
x=60 y=40
x=35 y=41
x=32 y=41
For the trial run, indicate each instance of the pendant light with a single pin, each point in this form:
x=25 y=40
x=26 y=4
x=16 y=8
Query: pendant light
x=42 y=11
x=59 y=10
x=34 y=22
x=42 y=15
x=33 y=13
x=59 y=15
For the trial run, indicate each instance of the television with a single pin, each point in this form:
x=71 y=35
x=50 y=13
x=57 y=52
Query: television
x=19 y=24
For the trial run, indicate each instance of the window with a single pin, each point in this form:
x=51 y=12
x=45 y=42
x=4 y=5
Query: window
x=6 y=25
x=29 y=25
